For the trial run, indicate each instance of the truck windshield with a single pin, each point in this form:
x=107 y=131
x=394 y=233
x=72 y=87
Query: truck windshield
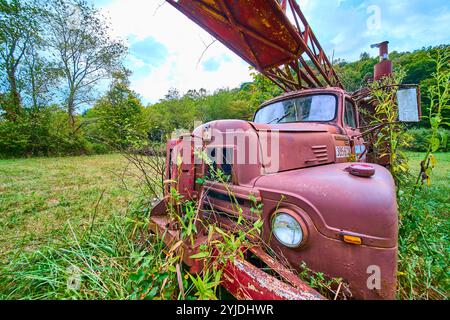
x=312 y=108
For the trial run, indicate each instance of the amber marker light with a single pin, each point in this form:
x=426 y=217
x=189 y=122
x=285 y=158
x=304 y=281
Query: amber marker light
x=352 y=240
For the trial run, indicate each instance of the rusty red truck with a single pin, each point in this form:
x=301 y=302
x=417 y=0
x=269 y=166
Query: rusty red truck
x=304 y=157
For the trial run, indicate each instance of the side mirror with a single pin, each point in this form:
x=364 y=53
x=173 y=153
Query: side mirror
x=408 y=101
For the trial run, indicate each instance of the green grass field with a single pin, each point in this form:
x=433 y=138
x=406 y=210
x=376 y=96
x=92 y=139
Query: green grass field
x=56 y=212
x=40 y=197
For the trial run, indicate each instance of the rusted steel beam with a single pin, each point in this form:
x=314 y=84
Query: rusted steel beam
x=332 y=78
x=279 y=80
x=233 y=22
x=280 y=84
x=261 y=33
x=246 y=282
x=271 y=38
x=282 y=270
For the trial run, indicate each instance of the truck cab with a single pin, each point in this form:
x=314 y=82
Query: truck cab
x=302 y=157
x=332 y=107
x=296 y=159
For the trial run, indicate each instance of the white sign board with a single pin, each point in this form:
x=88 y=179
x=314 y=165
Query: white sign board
x=408 y=109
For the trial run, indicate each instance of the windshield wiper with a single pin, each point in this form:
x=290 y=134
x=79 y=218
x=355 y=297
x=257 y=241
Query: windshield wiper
x=279 y=119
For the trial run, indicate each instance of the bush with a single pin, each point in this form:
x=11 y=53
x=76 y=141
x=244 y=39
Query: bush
x=94 y=148
x=420 y=139
x=14 y=138
x=46 y=133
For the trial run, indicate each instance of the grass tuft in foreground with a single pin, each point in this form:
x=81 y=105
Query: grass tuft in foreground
x=424 y=243
x=118 y=260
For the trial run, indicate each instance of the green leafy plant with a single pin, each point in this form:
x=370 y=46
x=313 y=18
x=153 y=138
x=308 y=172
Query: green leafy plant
x=439 y=96
x=332 y=288
x=223 y=245
x=420 y=139
x=390 y=140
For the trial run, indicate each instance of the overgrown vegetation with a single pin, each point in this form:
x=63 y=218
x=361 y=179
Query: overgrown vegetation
x=107 y=250
x=38 y=196
x=80 y=232
x=389 y=140
x=439 y=95
x=420 y=139
x=424 y=242
x=423 y=237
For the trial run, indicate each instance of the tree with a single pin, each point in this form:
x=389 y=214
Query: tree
x=40 y=78
x=18 y=31
x=118 y=115
x=170 y=114
x=79 y=39
x=364 y=56
x=224 y=104
x=262 y=89
x=172 y=94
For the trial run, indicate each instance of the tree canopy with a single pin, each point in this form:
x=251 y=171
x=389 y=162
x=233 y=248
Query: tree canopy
x=55 y=56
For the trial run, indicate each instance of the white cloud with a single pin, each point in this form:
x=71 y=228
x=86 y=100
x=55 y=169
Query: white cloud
x=340 y=26
x=136 y=20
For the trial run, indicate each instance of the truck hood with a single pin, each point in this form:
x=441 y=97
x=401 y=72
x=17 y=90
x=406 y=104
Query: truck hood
x=339 y=202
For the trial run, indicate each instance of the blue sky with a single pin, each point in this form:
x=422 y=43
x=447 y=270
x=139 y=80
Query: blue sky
x=165 y=47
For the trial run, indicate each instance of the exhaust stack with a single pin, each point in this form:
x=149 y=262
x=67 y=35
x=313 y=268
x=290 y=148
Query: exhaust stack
x=384 y=67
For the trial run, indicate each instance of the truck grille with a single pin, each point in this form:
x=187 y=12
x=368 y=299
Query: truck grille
x=321 y=153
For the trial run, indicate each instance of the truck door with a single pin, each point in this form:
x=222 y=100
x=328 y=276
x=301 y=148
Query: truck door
x=351 y=127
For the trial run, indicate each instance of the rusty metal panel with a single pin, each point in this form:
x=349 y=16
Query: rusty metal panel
x=256 y=30
x=247 y=282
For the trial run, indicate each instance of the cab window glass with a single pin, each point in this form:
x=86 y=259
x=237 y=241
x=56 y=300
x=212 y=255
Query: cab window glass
x=350 y=114
x=312 y=108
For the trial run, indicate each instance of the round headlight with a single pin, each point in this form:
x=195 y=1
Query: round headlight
x=287 y=230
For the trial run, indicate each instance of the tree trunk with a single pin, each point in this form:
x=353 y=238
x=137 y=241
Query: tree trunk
x=71 y=110
x=34 y=93
x=14 y=102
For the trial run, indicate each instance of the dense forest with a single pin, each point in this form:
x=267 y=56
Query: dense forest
x=56 y=55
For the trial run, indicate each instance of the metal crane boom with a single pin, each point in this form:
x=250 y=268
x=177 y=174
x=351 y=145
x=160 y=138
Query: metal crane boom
x=260 y=32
